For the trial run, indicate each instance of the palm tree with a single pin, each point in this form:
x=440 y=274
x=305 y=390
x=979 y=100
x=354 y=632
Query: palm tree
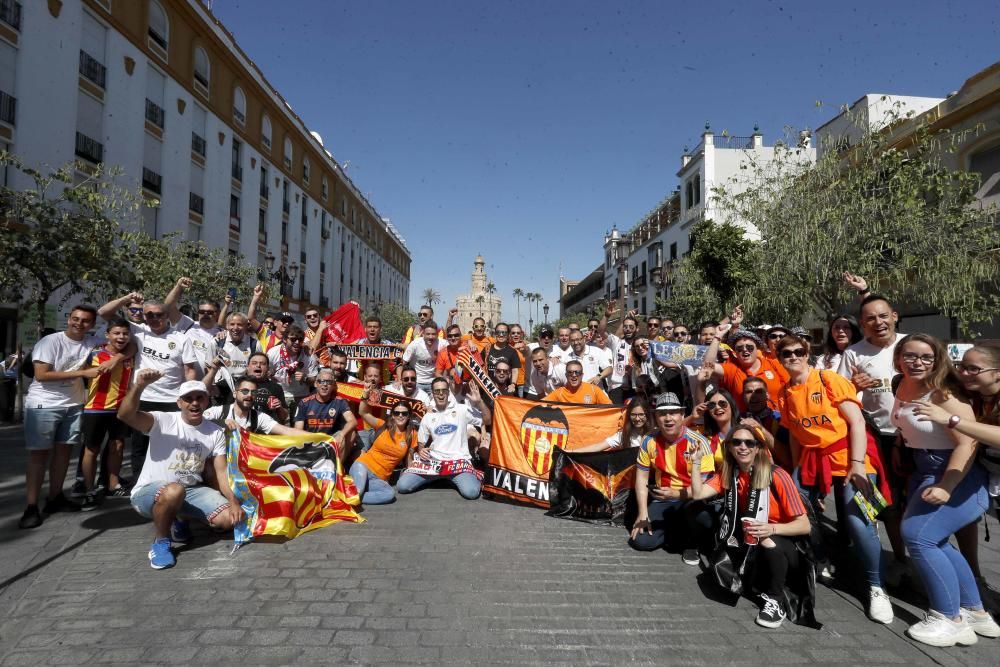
x=537 y=298
x=518 y=294
x=480 y=299
x=431 y=296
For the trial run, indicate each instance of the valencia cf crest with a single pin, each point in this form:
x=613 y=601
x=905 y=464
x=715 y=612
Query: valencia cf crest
x=542 y=429
x=171 y=345
x=816 y=397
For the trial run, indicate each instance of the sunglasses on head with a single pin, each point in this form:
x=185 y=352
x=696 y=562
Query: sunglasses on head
x=799 y=352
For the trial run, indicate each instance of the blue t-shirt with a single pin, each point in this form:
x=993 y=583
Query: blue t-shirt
x=320 y=417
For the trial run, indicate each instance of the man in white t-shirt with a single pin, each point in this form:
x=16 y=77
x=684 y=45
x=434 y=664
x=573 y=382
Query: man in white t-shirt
x=868 y=364
x=421 y=355
x=170 y=353
x=171 y=487
x=589 y=357
x=545 y=376
x=53 y=409
x=231 y=354
x=621 y=356
x=407 y=386
x=443 y=442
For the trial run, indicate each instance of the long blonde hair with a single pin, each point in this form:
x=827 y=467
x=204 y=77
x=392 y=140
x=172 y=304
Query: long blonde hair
x=760 y=477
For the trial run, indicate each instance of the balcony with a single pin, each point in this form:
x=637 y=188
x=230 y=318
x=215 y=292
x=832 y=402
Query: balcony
x=286 y=206
x=89 y=149
x=10 y=13
x=196 y=204
x=638 y=282
x=238 y=172
x=325 y=232
x=155 y=113
x=200 y=78
x=151 y=180
x=158 y=38
x=197 y=144
x=738 y=143
x=240 y=117
x=8 y=108
x=265 y=192
x=234 y=222
x=92 y=70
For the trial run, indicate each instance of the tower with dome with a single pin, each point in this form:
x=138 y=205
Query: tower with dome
x=482 y=301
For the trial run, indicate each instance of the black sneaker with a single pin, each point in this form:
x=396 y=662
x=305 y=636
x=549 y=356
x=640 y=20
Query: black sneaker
x=91 y=502
x=60 y=504
x=31 y=518
x=78 y=490
x=771 y=614
x=690 y=557
x=119 y=491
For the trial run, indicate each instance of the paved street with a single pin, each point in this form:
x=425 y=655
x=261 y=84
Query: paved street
x=431 y=579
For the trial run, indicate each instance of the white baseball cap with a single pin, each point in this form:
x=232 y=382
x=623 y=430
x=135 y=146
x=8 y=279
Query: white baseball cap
x=190 y=387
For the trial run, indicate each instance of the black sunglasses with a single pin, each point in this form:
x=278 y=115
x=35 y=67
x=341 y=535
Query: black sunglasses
x=748 y=442
x=797 y=352
x=400 y=413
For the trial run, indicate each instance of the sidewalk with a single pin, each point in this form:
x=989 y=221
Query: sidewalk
x=431 y=579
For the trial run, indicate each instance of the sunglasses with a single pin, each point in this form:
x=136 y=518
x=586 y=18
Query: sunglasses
x=439 y=392
x=295 y=339
x=397 y=413
x=744 y=348
x=799 y=352
x=325 y=382
x=501 y=332
x=244 y=392
x=711 y=405
x=574 y=373
x=454 y=336
x=312 y=315
x=776 y=336
x=207 y=312
x=155 y=316
x=680 y=333
x=135 y=311
x=746 y=442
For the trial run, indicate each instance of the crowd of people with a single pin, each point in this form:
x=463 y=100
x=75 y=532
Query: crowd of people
x=738 y=450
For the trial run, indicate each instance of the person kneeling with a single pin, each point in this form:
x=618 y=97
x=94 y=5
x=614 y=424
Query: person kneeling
x=171 y=484
x=764 y=526
x=393 y=441
x=443 y=446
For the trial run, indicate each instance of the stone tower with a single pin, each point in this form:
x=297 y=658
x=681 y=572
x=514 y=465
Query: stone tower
x=478 y=303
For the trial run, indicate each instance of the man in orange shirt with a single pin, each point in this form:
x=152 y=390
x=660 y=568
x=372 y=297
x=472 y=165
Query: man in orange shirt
x=478 y=336
x=748 y=360
x=576 y=391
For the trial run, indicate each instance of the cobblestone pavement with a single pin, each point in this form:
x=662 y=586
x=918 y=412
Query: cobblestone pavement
x=430 y=579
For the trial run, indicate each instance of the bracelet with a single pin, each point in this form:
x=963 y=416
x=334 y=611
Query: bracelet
x=857 y=461
x=866 y=290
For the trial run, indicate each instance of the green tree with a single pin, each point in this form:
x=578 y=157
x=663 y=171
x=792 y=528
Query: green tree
x=431 y=296
x=59 y=234
x=395 y=320
x=156 y=264
x=884 y=206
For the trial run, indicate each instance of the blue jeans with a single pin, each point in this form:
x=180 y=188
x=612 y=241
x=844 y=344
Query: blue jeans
x=373 y=489
x=944 y=571
x=201 y=502
x=467 y=483
x=863 y=534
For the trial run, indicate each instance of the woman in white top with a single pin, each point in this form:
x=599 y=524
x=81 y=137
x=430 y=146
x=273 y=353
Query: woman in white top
x=638 y=424
x=841 y=334
x=947 y=492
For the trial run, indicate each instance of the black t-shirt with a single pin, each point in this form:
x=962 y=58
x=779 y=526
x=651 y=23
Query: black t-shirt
x=493 y=355
x=262 y=398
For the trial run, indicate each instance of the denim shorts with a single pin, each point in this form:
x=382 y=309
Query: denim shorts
x=200 y=502
x=44 y=427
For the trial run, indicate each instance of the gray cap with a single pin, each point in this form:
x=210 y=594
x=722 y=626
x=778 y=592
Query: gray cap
x=668 y=401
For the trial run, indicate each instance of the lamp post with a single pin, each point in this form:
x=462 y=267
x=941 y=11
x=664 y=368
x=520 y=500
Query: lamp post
x=284 y=276
x=545 y=309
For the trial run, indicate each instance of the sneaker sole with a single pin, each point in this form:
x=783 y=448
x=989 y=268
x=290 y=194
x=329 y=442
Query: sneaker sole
x=158 y=567
x=990 y=633
x=942 y=642
x=769 y=624
x=88 y=508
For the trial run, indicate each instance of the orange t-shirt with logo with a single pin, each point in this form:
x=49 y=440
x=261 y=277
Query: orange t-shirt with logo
x=481 y=344
x=810 y=411
x=586 y=394
x=770 y=371
x=387 y=451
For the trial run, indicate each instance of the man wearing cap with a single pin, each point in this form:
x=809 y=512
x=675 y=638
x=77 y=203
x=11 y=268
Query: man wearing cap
x=171 y=484
x=576 y=390
x=666 y=514
x=621 y=354
x=546 y=335
x=268 y=339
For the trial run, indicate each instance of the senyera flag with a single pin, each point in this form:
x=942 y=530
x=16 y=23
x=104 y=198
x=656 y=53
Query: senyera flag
x=288 y=485
x=593 y=487
x=344 y=325
x=524 y=437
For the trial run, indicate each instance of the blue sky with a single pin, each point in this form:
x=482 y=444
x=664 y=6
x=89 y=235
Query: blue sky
x=525 y=130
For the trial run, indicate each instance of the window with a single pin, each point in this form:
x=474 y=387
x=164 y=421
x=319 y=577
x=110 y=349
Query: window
x=239 y=106
x=89 y=128
x=265 y=191
x=196 y=200
x=305 y=170
x=194 y=231
x=92 y=42
x=262 y=226
x=288 y=153
x=265 y=131
x=697 y=189
x=234 y=212
x=159 y=29
x=198 y=118
x=673 y=251
x=155 y=83
x=325 y=188
x=237 y=160
x=8 y=63
x=201 y=69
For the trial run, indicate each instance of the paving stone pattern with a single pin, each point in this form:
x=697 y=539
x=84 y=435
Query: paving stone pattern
x=430 y=579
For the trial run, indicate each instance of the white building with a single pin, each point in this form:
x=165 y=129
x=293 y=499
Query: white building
x=161 y=89
x=644 y=255
x=481 y=301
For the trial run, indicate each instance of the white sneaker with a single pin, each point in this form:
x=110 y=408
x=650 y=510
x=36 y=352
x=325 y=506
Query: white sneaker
x=879 y=606
x=981 y=623
x=938 y=630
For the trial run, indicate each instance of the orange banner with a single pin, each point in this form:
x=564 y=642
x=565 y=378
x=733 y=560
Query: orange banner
x=524 y=436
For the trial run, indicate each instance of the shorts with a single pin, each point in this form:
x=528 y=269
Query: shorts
x=201 y=502
x=97 y=425
x=44 y=427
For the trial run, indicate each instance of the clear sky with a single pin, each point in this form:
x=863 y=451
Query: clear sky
x=524 y=130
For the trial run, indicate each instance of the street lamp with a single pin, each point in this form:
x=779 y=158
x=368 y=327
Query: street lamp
x=282 y=274
x=545 y=309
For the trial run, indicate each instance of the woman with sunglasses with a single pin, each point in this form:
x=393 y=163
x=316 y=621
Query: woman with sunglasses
x=831 y=448
x=643 y=362
x=395 y=439
x=762 y=507
x=637 y=426
x=946 y=493
x=718 y=414
x=842 y=333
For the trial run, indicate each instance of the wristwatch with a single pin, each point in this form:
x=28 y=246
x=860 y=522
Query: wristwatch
x=953 y=421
